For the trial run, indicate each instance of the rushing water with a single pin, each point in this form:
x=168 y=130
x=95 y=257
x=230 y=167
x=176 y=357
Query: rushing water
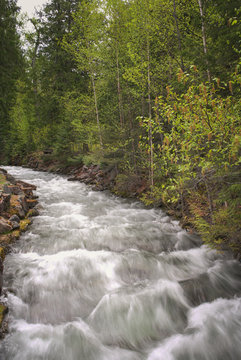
x=101 y=278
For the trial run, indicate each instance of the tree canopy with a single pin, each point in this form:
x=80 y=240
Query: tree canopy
x=152 y=86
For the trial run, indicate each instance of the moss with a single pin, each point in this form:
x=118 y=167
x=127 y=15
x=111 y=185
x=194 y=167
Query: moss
x=2 y=253
x=14 y=200
x=24 y=224
x=3 y=180
x=16 y=234
x=3 y=312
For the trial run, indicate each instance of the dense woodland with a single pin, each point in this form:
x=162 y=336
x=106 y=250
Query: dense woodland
x=151 y=87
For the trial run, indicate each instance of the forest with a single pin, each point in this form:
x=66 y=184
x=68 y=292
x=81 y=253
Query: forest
x=150 y=87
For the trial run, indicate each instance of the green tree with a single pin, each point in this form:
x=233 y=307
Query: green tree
x=10 y=64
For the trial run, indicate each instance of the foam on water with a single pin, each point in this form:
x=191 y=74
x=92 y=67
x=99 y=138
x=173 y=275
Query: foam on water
x=101 y=278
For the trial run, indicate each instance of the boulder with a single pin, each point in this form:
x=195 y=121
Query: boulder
x=1 y=275
x=3 y=324
x=10 y=178
x=31 y=203
x=4 y=226
x=33 y=212
x=14 y=218
x=24 y=184
x=23 y=202
x=4 y=202
x=1 y=206
x=15 y=225
x=28 y=191
x=19 y=211
x=11 y=189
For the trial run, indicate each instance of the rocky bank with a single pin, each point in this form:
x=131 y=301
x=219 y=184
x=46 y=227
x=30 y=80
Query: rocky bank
x=17 y=206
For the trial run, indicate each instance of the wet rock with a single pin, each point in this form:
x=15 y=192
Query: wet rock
x=24 y=224
x=33 y=212
x=31 y=203
x=15 y=225
x=3 y=327
x=73 y=178
x=4 y=226
x=14 y=218
x=1 y=275
x=2 y=253
x=24 y=184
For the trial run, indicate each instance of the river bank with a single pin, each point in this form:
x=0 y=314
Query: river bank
x=208 y=205
x=17 y=206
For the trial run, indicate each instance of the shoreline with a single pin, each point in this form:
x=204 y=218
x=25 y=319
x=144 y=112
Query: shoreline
x=18 y=205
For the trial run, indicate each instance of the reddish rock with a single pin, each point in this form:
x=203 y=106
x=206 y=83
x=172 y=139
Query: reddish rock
x=24 y=184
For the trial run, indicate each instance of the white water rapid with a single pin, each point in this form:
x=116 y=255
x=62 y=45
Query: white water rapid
x=101 y=278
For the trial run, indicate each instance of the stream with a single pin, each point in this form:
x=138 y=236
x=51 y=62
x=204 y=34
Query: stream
x=98 y=277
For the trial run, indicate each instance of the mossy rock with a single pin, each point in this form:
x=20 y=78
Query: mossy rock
x=32 y=212
x=3 y=181
x=16 y=234
x=3 y=312
x=2 y=253
x=24 y=224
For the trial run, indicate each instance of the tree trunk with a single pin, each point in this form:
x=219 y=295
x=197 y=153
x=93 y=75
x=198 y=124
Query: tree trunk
x=119 y=90
x=178 y=34
x=149 y=111
x=96 y=109
x=204 y=38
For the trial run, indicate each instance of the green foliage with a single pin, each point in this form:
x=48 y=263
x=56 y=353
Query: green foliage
x=10 y=64
x=225 y=231
x=194 y=132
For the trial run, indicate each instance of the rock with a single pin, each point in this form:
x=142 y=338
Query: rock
x=6 y=189
x=1 y=275
x=3 y=312
x=10 y=178
x=15 y=225
x=24 y=224
x=199 y=290
x=72 y=178
x=1 y=206
x=39 y=207
x=14 y=218
x=24 y=184
x=23 y=202
x=28 y=191
x=4 y=226
x=2 y=253
x=19 y=211
x=5 y=202
x=33 y=212
x=31 y=203
x=11 y=189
